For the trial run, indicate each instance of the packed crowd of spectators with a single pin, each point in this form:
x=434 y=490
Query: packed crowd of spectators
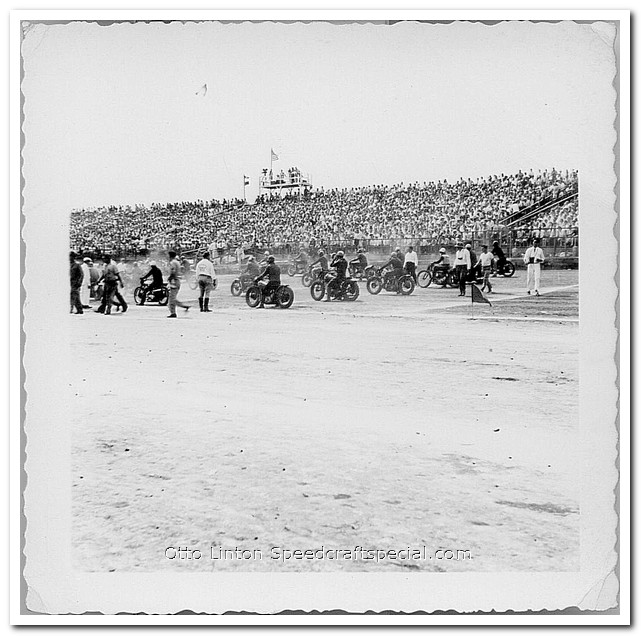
x=424 y=213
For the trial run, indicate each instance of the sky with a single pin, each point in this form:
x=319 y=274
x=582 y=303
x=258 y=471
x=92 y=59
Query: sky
x=116 y=114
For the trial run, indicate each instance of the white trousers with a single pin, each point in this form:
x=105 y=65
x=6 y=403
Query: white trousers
x=84 y=292
x=533 y=276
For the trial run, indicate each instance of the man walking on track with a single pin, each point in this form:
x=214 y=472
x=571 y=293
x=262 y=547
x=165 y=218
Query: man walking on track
x=411 y=262
x=206 y=277
x=174 y=286
x=533 y=258
x=485 y=263
x=112 y=278
x=463 y=264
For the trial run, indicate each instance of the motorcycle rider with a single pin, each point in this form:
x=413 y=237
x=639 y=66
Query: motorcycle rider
x=301 y=259
x=252 y=269
x=272 y=272
x=442 y=264
x=360 y=262
x=339 y=264
x=321 y=261
x=499 y=255
x=396 y=264
x=156 y=284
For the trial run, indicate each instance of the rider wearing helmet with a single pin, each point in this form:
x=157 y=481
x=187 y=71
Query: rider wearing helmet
x=252 y=269
x=499 y=255
x=272 y=272
x=156 y=280
x=360 y=262
x=442 y=264
x=321 y=261
x=339 y=264
x=396 y=264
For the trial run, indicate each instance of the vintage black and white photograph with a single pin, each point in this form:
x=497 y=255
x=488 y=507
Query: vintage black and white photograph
x=341 y=304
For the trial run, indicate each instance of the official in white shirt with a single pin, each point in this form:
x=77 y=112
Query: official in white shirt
x=206 y=279
x=411 y=262
x=533 y=258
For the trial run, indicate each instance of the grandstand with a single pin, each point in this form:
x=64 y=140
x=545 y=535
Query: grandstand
x=510 y=208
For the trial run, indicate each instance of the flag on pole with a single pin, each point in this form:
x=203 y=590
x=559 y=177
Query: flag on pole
x=274 y=156
x=246 y=179
x=477 y=296
x=202 y=90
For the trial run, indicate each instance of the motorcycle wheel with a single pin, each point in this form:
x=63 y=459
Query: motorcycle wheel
x=236 y=288
x=352 y=290
x=285 y=297
x=252 y=296
x=317 y=290
x=306 y=279
x=374 y=285
x=291 y=270
x=139 y=298
x=406 y=285
x=508 y=269
x=165 y=298
x=424 y=278
x=452 y=280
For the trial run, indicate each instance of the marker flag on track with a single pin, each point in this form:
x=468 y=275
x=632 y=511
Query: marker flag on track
x=477 y=296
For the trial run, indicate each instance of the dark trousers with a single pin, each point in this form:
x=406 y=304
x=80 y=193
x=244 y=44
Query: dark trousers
x=75 y=301
x=462 y=277
x=410 y=268
x=111 y=290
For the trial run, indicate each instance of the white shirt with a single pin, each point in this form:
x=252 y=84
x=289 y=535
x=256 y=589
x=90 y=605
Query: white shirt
x=533 y=252
x=205 y=267
x=485 y=259
x=411 y=257
x=463 y=258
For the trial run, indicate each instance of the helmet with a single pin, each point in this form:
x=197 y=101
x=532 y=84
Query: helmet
x=340 y=253
x=469 y=246
x=152 y=264
x=442 y=251
x=271 y=259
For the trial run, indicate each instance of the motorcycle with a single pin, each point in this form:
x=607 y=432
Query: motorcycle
x=144 y=294
x=241 y=284
x=282 y=297
x=345 y=290
x=296 y=267
x=312 y=275
x=403 y=284
x=508 y=268
x=437 y=276
x=358 y=271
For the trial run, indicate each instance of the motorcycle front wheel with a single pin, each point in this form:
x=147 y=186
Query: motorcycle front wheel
x=285 y=297
x=139 y=296
x=252 y=296
x=352 y=290
x=424 y=278
x=374 y=285
x=236 y=288
x=508 y=269
x=317 y=290
x=306 y=279
x=291 y=270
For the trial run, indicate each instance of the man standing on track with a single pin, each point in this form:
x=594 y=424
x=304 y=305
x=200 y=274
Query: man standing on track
x=85 y=290
x=174 y=285
x=463 y=264
x=75 y=279
x=533 y=258
x=485 y=263
x=206 y=277
x=411 y=262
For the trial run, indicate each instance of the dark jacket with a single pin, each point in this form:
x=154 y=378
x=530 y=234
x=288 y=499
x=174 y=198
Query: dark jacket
x=75 y=275
x=340 y=264
x=272 y=272
x=156 y=276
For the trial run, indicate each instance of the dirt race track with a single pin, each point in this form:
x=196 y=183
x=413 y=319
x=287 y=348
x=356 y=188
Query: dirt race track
x=389 y=422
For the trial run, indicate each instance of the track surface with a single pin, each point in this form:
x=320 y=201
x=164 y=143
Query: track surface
x=387 y=423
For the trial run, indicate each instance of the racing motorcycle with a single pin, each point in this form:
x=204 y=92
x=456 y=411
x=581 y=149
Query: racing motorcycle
x=296 y=267
x=282 y=297
x=312 y=275
x=403 y=284
x=144 y=294
x=437 y=276
x=345 y=290
x=241 y=284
